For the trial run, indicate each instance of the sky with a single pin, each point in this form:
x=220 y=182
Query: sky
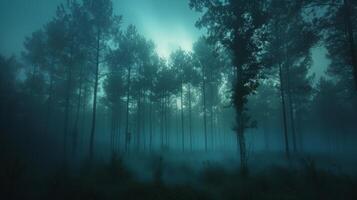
x=169 y=23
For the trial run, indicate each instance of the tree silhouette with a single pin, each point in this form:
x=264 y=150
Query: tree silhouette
x=241 y=22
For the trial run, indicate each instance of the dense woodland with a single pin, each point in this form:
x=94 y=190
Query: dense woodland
x=86 y=91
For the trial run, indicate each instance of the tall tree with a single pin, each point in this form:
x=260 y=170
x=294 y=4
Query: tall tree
x=241 y=22
x=181 y=61
x=207 y=58
x=102 y=21
x=290 y=40
x=9 y=68
x=114 y=88
x=126 y=56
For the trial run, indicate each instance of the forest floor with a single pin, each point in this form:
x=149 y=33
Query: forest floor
x=171 y=176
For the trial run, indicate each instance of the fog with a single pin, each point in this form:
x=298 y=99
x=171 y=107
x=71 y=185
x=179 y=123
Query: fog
x=179 y=99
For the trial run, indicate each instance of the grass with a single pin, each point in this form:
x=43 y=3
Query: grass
x=213 y=182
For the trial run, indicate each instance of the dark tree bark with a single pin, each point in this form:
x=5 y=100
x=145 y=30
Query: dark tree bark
x=127 y=134
x=204 y=108
x=138 y=142
x=190 y=114
x=83 y=114
x=112 y=132
x=240 y=120
x=162 y=120
x=118 y=130
x=182 y=118
x=242 y=143
x=49 y=104
x=167 y=120
x=143 y=124
x=67 y=110
x=291 y=108
x=94 y=108
x=151 y=127
x=211 y=116
x=349 y=30
x=76 y=121
x=282 y=94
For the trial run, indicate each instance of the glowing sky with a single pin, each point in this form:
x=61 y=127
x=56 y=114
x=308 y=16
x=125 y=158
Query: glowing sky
x=169 y=23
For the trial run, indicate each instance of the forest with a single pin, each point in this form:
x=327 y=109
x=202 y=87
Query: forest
x=90 y=108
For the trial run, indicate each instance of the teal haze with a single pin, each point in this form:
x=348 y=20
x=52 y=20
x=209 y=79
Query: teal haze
x=169 y=28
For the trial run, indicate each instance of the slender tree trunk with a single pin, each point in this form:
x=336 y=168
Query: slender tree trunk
x=162 y=120
x=177 y=126
x=190 y=113
x=49 y=105
x=83 y=115
x=349 y=29
x=95 y=91
x=112 y=132
x=66 y=112
x=167 y=121
x=138 y=142
x=242 y=143
x=204 y=107
x=76 y=121
x=291 y=108
x=219 y=133
x=182 y=118
x=240 y=122
x=118 y=129
x=282 y=93
x=143 y=124
x=211 y=116
x=127 y=134
x=150 y=124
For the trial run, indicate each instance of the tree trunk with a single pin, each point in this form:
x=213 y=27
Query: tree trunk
x=190 y=113
x=83 y=115
x=75 y=127
x=282 y=93
x=242 y=143
x=66 y=112
x=177 y=126
x=112 y=132
x=150 y=122
x=94 y=109
x=240 y=122
x=211 y=116
x=118 y=129
x=291 y=108
x=167 y=121
x=204 y=108
x=127 y=134
x=349 y=30
x=182 y=118
x=143 y=124
x=49 y=104
x=138 y=142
